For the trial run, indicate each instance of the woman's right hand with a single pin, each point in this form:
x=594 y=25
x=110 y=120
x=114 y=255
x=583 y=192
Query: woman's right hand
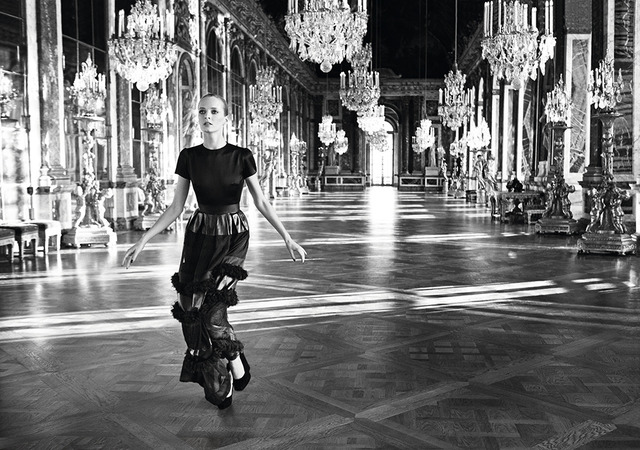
x=132 y=254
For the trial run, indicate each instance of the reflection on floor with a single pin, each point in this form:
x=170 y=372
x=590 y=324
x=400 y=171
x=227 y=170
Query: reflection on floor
x=416 y=323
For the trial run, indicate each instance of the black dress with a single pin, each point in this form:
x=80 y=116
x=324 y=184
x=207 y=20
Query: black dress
x=215 y=245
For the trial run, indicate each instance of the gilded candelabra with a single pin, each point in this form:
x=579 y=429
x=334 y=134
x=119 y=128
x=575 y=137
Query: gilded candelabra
x=606 y=232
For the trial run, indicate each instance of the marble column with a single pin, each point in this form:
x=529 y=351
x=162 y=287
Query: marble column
x=51 y=87
x=405 y=138
x=125 y=201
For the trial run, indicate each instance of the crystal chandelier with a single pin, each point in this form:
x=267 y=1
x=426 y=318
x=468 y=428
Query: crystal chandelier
x=558 y=106
x=327 y=130
x=479 y=135
x=89 y=90
x=424 y=137
x=341 y=144
x=372 y=120
x=603 y=87
x=155 y=108
x=7 y=95
x=378 y=140
x=326 y=31
x=516 y=49
x=271 y=137
x=360 y=89
x=454 y=101
x=144 y=54
x=265 y=99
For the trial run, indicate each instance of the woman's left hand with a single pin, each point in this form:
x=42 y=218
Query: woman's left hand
x=294 y=247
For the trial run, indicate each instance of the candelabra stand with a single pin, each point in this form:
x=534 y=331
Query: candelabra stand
x=606 y=232
x=154 y=186
x=90 y=226
x=557 y=217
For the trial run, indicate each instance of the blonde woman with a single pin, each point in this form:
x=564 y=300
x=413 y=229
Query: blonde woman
x=215 y=245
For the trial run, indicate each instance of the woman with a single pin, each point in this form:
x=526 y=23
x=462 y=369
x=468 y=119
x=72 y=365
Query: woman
x=215 y=244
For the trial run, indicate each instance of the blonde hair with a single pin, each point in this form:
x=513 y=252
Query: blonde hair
x=225 y=105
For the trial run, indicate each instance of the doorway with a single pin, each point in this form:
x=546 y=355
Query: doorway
x=381 y=162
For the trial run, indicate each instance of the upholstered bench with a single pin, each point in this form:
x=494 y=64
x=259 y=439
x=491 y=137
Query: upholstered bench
x=7 y=241
x=25 y=234
x=49 y=232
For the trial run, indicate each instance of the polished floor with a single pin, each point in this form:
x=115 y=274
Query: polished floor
x=416 y=323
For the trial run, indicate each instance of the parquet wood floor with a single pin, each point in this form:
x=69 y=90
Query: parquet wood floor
x=416 y=323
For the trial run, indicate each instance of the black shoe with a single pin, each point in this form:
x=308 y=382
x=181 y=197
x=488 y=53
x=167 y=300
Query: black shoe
x=241 y=383
x=226 y=403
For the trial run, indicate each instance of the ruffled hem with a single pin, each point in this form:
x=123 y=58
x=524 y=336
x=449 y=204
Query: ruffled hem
x=210 y=284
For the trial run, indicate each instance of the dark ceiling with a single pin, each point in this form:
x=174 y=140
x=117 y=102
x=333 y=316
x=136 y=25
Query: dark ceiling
x=399 y=29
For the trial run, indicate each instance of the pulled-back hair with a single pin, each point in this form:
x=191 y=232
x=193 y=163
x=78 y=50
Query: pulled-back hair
x=225 y=106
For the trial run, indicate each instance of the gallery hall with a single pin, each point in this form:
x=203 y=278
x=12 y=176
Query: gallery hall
x=319 y=224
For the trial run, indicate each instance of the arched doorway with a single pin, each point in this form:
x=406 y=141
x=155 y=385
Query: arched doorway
x=381 y=162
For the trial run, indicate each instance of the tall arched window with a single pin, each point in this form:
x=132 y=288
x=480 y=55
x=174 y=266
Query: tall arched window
x=236 y=103
x=215 y=66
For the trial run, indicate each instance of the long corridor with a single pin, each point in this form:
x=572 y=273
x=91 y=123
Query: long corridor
x=417 y=322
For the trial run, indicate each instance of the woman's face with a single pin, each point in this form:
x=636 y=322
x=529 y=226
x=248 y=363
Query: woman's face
x=211 y=115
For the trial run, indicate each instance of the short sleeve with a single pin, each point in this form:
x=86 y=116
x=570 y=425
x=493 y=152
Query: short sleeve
x=182 y=168
x=249 y=164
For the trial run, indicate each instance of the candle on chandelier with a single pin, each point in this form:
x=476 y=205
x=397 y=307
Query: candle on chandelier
x=546 y=17
x=120 y=22
x=342 y=80
x=377 y=75
x=551 y=17
x=486 y=28
x=491 y=18
x=499 y=15
x=440 y=96
x=534 y=18
x=171 y=26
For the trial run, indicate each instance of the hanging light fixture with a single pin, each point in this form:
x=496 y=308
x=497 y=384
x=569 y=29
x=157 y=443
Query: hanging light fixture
x=516 y=49
x=327 y=130
x=603 y=87
x=453 y=103
x=378 y=140
x=144 y=53
x=424 y=137
x=7 y=95
x=89 y=90
x=265 y=102
x=341 y=144
x=360 y=88
x=326 y=31
x=479 y=135
x=155 y=108
x=372 y=119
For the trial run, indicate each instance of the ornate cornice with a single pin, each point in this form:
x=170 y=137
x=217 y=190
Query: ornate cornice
x=408 y=87
x=249 y=17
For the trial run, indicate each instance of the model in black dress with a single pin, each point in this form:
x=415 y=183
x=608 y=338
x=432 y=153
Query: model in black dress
x=215 y=245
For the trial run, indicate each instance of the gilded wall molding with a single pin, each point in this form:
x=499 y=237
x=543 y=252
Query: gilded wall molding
x=249 y=17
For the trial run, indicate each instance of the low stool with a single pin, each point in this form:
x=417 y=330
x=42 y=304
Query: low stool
x=49 y=231
x=25 y=234
x=7 y=241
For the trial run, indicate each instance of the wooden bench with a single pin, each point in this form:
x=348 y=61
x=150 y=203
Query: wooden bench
x=7 y=241
x=25 y=234
x=49 y=232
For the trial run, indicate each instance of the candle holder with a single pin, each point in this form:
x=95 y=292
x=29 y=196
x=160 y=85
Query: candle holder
x=606 y=232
